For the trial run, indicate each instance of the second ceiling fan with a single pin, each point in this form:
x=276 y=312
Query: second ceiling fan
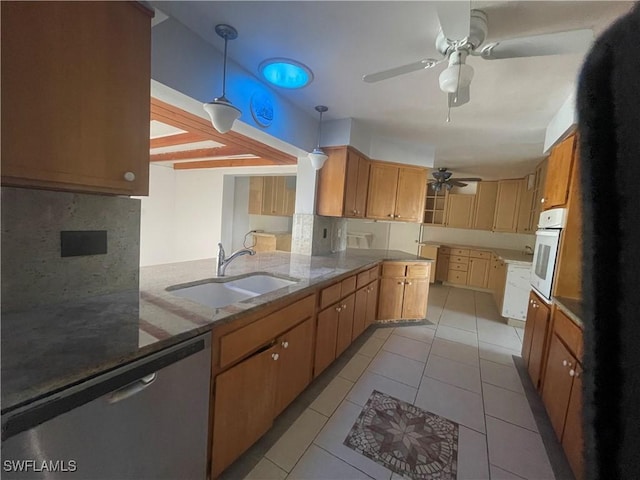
x=462 y=34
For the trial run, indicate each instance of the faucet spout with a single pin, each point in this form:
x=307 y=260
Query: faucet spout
x=223 y=261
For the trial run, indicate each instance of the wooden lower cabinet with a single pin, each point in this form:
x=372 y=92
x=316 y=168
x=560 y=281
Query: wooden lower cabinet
x=240 y=420
x=345 y=324
x=366 y=301
x=573 y=438
x=536 y=331
x=372 y=303
x=442 y=267
x=478 y=273
x=557 y=383
x=404 y=291
x=326 y=337
x=295 y=364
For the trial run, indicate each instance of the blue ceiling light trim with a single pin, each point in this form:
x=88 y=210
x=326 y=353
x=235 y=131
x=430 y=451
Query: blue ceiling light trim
x=286 y=73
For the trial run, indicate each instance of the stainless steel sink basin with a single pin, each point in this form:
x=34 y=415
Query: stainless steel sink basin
x=218 y=294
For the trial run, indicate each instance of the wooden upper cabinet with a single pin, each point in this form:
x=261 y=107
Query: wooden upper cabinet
x=410 y=196
x=273 y=195
x=459 y=210
x=383 y=185
x=256 y=185
x=560 y=162
x=396 y=192
x=486 y=196
x=526 y=204
x=75 y=96
x=343 y=183
x=505 y=218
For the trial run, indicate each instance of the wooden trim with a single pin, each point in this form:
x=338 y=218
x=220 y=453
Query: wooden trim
x=198 y=153
x=173 y=140
x=399 y=165
x=230 y=162
x=176 y=117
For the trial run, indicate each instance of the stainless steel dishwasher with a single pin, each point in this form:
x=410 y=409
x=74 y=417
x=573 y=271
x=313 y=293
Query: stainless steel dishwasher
x=146 y=420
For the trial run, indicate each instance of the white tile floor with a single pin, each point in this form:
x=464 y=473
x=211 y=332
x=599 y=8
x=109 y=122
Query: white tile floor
x=460 y=368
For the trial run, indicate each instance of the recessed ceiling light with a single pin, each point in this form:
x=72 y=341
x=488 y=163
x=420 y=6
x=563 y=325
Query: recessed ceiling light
x=286 y=73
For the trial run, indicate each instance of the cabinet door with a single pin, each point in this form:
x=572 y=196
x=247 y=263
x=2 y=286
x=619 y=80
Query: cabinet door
x=557 y=384
x=326 y=336
x=360 y=312
x=416 y=293
x=279 y=197
x=572 y=438
x=355 y=194
x=559 y=165
x=295 y=364
x=383 y=184
x=372 y=303
x=478 y=275
x=526 y=205
x=75 y=96
x=507 y=206
x=331 y=186
x=391 y=298
x=412 y=186
x=240 y=420
x=528 y=329
x=459 y=210
x=268 y=196
x=345 y=323
x=486 y=195
x=538 y=341
x=442 y=267
x=255 y=195
x=290 y=196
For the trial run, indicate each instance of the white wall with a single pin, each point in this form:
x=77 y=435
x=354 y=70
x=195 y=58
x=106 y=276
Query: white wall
x=188 y=212
x=562 y=123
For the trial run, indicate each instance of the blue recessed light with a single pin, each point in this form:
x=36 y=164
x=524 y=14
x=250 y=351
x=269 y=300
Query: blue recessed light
x=286 y=73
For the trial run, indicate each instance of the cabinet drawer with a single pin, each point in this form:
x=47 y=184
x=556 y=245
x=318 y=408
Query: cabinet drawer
x=330 y=295
x=363 y=279
x=373 y=273
x=239 y=343
x=393 y=270
x=460 y=267
x=458 y=259
x=480 y=254
x=462 y=252
x=444 y=250
x=457 y=277
x=418 y=271
x=348 y=285
x=568 y=332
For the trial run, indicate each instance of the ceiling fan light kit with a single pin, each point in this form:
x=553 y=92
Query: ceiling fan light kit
x=221 y=111
x=317 y=156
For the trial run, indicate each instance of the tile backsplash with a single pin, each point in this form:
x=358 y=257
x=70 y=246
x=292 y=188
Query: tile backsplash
x=33 y=271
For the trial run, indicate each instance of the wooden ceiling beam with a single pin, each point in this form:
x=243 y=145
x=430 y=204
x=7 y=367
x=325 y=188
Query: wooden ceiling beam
x=177 y=139
x=231 y=162
x=176 y=117
x=197 y=153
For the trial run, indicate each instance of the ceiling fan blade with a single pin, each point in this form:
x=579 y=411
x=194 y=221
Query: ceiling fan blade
x=457 y=183
x=474 y=179
x=455 y=18
x=394 y=72
x=574 y=41
x=462 y=96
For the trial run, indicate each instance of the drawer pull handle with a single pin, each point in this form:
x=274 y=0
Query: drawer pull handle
x=285 y=344
x=275 y=356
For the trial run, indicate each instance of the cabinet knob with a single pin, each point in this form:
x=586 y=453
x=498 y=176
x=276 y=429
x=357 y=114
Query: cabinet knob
x=572 y=373
x=338 y=309
x=390 y=215
x=275 y=356
x=408 y=283
x=129 y=176
x=354 y=211
x=542 y=200
x=400 y=283
x=285 y=344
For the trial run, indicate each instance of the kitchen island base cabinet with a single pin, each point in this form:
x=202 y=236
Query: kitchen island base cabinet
x=244 y=406
x=404 y=291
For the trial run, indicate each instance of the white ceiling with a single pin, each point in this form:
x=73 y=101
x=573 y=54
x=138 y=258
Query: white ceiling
x=499 y=133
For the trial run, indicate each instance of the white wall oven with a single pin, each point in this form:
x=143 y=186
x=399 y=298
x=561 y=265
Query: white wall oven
x=546 y=250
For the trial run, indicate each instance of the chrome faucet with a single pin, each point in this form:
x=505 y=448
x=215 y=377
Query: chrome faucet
x=223 y=261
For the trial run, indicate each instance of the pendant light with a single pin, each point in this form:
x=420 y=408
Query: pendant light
x=318 y=157
x=221 y=111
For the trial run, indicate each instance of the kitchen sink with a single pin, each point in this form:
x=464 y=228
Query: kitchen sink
x=216 y=293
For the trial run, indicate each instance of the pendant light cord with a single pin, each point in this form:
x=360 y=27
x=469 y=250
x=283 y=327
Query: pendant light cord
x=319 y=130
x=224 y=70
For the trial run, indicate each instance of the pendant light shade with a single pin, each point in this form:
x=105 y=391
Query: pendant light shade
x=221 y=110
x=318 y=157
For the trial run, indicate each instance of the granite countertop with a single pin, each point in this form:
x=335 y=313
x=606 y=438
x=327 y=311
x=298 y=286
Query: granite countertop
x=516 y=257
x=572 y=307
x=51 y=348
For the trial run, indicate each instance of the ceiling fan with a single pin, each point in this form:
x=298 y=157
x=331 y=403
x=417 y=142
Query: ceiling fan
x=463 y=32
x=443 y=179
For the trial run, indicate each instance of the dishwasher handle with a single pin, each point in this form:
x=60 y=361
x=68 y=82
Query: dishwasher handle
x=132 y=389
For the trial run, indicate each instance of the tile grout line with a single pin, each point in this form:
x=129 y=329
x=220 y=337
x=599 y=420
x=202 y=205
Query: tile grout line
x=484 y=408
